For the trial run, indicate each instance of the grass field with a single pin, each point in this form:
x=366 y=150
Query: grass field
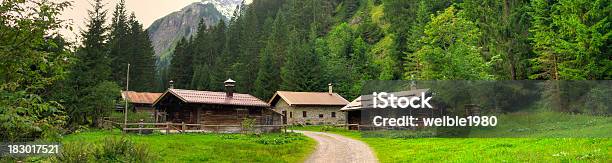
x=549 y=149
x=212 y=147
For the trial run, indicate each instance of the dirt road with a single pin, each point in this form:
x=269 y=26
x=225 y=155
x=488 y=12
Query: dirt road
x=336 y=148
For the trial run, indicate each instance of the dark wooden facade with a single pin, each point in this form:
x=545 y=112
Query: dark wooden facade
x=170 y=108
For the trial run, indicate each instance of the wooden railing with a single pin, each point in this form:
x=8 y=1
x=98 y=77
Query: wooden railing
x=181 y=127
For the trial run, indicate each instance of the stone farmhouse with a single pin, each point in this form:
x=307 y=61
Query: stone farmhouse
x=309 y=108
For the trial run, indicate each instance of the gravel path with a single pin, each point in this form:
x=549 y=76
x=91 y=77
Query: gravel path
x=336 y=148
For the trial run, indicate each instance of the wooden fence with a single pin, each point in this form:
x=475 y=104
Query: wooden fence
x=169 y=127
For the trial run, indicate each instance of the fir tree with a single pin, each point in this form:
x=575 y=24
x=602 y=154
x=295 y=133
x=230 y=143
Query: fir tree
x=302 y=69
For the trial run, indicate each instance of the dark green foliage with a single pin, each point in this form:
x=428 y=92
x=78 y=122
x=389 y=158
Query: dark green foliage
x=302 y=69
x=449 y=49
x=89 y=94
x=99 y=100
x=140 y=52
x=129 y=43
x=181 y=68
x=113 y=149
x=505 y=32
x=268 y=76
x=33 y=59
x=571 y=39
x=273 y=45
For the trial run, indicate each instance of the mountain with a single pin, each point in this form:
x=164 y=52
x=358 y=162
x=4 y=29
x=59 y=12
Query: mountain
x=168 y=30
x=226 y=7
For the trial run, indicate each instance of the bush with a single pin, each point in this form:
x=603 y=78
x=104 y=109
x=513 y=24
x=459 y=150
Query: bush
x=75 y=152
x=248 y=125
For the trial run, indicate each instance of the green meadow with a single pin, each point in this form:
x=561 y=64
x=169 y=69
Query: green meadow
x=198 y=147
x=550 y=137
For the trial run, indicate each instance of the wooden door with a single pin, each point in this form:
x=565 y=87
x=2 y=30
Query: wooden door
x=284 y=117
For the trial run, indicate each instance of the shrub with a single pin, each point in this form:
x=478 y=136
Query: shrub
x=109 y=150
x=75 y=152
x=248 y=125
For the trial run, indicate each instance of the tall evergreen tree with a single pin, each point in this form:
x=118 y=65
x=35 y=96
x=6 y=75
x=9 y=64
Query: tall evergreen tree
x=571 y=39
x=119 y=41
x=268 y=75
x=302 y=69
x=89 y=75
x=181 y=68
x=140 y=56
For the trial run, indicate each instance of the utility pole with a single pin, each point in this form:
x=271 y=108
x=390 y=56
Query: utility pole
x=127 y=88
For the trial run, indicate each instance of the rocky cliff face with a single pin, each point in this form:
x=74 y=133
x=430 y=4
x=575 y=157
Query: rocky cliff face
x=165 y=32
x=226 y=7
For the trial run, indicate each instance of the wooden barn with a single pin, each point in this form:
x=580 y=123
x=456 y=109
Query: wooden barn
x=309 y=108
x=357 y=119
x=226 y=109
x=141 y=101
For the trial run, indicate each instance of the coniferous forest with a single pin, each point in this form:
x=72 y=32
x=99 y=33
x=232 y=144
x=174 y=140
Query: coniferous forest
x=274 y=45
x=49 y=84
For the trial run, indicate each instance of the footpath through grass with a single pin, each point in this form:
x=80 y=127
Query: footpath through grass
x=211 y=147
x=399 y=149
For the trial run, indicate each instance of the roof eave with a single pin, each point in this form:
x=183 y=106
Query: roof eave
x=171 y=92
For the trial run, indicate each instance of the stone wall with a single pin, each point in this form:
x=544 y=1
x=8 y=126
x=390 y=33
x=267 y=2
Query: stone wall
x=295 y=114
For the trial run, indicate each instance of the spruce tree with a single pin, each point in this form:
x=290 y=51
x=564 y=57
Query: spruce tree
x=118 y=43
x=302 y=69
x=268 y=75
x=140 y=56
x=92 y=71
x=181 y=69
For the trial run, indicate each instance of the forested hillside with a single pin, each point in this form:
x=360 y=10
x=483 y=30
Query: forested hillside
x=300 y=45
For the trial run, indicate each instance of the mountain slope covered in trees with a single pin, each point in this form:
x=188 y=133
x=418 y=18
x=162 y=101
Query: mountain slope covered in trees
x=297 y=45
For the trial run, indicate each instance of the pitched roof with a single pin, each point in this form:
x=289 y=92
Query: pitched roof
x=366 y=100
x=140 y=97
x=309 y=98
x=208 y=97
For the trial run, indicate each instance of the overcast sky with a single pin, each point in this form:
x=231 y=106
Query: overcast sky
x=146 y=11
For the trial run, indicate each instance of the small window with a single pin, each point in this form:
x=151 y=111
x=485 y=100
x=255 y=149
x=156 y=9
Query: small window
x=333 y=115
x=290 y=114
x=320 y=115
x=304 y=114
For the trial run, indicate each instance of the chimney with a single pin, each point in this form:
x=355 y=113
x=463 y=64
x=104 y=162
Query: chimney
x=171 y=84
x=229 y=87
x=330 y=86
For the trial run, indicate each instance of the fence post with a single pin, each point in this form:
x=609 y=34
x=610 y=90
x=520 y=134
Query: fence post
x=167 y=127
x=140 y=126
x=182 y=127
